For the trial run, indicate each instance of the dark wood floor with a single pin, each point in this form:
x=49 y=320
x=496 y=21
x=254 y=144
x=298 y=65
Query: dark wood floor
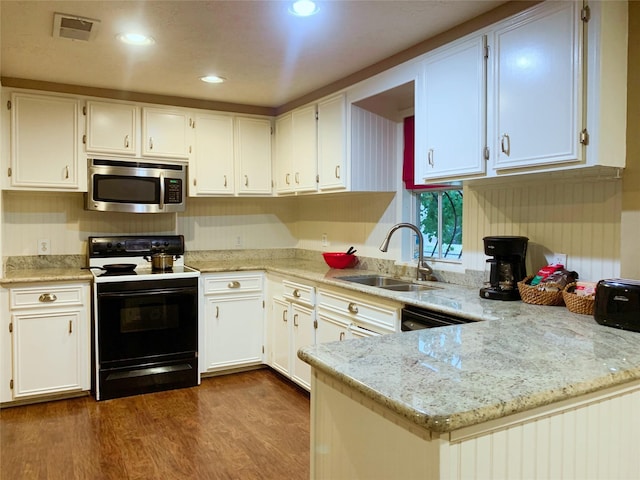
x=251 y=425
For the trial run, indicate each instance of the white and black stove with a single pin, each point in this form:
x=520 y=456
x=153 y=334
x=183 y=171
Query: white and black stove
x=145 y=320
x=112 y=259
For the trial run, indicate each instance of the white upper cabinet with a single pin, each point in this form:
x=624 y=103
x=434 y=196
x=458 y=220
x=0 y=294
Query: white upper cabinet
x=304 y=148
x=253 y=155
x=283 y=162
x=165 y=133
x=296 y=162
x=332 y=143
x=537 y=87
x=450 y=117
x=211 y=171
x=111 y=128
x=45 y=143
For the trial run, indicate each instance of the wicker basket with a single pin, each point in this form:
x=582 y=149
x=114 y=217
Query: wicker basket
x=535 y=296
x=575 y=303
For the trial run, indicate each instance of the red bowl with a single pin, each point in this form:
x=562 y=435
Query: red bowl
x=340 y=259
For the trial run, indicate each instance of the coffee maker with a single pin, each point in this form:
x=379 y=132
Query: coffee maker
x=506 y=267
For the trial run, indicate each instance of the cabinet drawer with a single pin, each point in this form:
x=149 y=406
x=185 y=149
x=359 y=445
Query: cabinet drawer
x=45 y=296
x=299 y=293
x=231 y=284
x=364 y=312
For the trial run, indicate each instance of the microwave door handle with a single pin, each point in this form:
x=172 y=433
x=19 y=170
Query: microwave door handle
x=161 y=206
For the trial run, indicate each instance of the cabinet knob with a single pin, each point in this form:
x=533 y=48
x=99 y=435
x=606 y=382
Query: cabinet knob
x=234 y=284
x=47 y=298
x=353 y=308
x=296 y=293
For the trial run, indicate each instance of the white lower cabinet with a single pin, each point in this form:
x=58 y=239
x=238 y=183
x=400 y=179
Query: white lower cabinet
x=233 y=320
x=49 y=341
x=343 y=314
x=293 y=327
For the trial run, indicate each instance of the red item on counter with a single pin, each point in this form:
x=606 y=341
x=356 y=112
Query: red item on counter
x=544 y=272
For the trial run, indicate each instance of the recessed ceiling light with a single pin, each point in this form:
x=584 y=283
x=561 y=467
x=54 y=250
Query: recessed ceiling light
x=213 y=79
x=304 y=8
x=136 y=39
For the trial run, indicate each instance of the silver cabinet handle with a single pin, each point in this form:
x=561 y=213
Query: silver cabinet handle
x=217 y=311
x=66 y=171
x=430 y=157
x=337 y=171
x=505 y=144
x=295 y=320
x=353 y=308
x=296 y=293
x=126 y=141
x=341 y=336
x=47 y=298
x=246 y=180
x=225 y=181
x=70 y=326
x=284 y=315
x=234 y=284
x=297 y=178
x=286 y=179
x=150 y=143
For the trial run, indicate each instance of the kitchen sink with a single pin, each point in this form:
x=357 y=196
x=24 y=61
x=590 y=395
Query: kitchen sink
x=409 y=287
x=386 y=283
x=374 y=280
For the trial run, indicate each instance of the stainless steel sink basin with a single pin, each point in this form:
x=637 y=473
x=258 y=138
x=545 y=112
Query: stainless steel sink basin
x=386 y=283
x=409 y=287
x=374 y=280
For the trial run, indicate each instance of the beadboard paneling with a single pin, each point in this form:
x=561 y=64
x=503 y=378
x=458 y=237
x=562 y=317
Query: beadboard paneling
x=207 y=224
x=374 y=151
x=216 y=223
x=579 y=218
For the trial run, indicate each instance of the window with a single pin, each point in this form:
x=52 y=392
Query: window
x=439 y=217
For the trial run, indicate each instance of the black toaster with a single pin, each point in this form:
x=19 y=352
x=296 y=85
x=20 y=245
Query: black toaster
x=617 y=303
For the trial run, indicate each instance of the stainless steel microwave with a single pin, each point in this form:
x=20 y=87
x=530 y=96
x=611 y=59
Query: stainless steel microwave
x=145 y=186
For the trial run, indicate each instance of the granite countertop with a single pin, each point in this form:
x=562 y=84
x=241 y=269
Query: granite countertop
x=34 y=275
x=452 y=377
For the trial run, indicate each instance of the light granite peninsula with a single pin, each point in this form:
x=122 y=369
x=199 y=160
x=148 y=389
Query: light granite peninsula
x=537 y=396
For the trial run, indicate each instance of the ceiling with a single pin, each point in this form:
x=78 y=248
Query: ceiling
x=268 y=56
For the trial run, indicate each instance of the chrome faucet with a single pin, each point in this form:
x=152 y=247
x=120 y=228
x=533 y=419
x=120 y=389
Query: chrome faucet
x=424 y=270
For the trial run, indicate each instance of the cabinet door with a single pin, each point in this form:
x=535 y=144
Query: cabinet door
x=303 y=334
x=330 y=328
x=111 y=128
x=47 y=349
x=211 y=168
x=537 y=87
x=332 y=144
x=280 y=336
x=234 y=331
x=45 y=143
x=253 y=155
x=451 y=113
x=284 y=155
x=305 y=149
x=165 y=133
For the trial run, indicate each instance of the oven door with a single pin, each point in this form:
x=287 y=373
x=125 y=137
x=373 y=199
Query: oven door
x=147 y=336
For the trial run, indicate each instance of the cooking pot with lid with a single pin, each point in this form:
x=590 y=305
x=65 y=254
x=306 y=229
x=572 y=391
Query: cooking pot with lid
x=161 y=261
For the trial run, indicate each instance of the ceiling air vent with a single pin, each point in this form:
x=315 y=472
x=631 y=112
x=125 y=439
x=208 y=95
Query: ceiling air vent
x=74 y=27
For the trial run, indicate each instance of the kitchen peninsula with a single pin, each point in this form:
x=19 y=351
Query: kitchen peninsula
x=546 y=394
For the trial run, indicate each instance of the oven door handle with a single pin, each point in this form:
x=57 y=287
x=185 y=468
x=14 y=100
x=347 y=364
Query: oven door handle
x=137 y=293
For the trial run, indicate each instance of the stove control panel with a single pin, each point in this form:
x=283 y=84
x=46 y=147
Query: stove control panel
x=135 y=246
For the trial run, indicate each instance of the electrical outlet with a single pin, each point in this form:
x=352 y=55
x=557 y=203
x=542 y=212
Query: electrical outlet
x=325 y=242
x=44 y=246
x=239 y=241
x=560 y=258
